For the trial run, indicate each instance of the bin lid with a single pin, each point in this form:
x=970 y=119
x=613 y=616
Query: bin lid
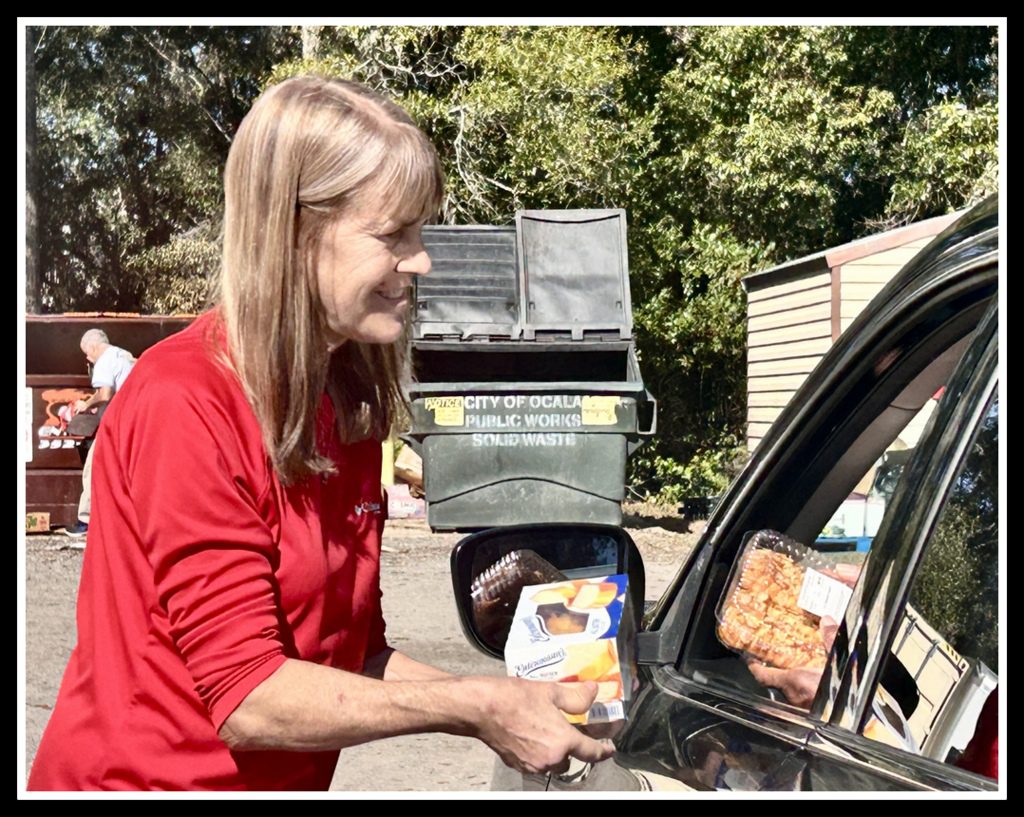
x=573 y=273
x=472 y=290
x=558 y=274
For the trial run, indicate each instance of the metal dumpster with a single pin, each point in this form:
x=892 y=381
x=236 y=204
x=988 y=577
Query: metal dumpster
x=526 y=396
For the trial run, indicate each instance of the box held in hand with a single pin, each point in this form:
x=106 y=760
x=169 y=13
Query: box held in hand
x=577 y=630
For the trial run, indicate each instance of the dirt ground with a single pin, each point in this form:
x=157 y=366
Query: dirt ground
x=422 y=621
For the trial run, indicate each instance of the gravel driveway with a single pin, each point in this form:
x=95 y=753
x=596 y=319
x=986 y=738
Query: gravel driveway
x=422 y=621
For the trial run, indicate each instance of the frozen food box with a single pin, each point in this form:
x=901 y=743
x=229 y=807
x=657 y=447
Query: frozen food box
x=774 y=600
x=577 y=630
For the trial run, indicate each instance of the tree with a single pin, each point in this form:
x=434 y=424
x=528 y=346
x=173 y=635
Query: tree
x=522 y=117
x=773 y=143
x=32 y=283
x=133 y=128
x=732 y=149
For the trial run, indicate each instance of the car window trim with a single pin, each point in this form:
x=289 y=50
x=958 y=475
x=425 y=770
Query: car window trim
x=872 y=625
x=837 y=744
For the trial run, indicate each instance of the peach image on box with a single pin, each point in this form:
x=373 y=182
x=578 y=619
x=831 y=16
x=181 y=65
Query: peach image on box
x=554 y=595
x=594 y=595
x=590 y=662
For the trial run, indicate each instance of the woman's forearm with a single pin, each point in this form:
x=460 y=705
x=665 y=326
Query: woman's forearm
x=309 y=707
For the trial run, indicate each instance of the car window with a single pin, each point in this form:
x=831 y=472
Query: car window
x=854 y=524
x=947 y=643
x=771 y=616
x=866 y=446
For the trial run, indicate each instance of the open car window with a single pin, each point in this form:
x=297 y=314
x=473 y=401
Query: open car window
x=856 y=522
x=784 y=599
x=946 y=646
x=857 y=455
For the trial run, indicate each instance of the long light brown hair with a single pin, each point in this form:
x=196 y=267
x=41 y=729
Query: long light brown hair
x=304 y=154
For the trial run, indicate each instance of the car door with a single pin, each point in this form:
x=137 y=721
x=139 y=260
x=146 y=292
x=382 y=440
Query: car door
x=701 y=720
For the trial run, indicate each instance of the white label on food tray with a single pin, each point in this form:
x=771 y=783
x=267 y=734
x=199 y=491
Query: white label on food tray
x=821 y=595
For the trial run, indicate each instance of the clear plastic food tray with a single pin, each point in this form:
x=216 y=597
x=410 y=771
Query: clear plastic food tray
x=773 y=602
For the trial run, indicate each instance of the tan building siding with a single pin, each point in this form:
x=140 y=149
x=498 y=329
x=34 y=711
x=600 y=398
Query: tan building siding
x=790 y=325
x=789 y=365
x=861 y=292
x=920 y=244
x=769 y=399
x=790 y=317
x=768 y=395
x=763 y=414
x=781 y=351
x=790 y=334
x=782 y=303
x=755 y=433
x=851 y=309
x=897 y=256
x=800 y=284
x=863 y=279
x=860 y=274
x=774 y=383
x=788 y=330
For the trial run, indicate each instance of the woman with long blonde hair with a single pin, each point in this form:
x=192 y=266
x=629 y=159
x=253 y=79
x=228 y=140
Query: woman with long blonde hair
x=230 y=633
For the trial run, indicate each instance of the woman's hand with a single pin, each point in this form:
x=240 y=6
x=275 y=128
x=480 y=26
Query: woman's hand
x=523 y=722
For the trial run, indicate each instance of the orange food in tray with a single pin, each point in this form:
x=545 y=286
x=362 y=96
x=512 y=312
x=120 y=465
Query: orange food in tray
x=761 y=617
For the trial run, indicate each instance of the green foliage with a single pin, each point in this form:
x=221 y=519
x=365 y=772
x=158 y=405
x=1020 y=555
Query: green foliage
x=514 y=127
x=948 y=159
x=693 y=359
x=133 y=127
x=776 y=142
x=178 y=273
x=704 y=473
x=731 y=148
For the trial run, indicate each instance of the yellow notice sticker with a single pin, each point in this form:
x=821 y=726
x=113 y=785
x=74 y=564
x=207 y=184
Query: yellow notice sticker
x=447 y=410
x=599 y=410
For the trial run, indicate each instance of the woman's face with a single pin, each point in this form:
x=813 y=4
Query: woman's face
x=364 y=272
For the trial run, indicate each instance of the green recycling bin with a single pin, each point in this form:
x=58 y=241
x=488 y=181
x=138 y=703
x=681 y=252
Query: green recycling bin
x=527 y=396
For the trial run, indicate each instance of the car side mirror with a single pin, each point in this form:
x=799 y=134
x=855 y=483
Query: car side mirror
x=490 y=568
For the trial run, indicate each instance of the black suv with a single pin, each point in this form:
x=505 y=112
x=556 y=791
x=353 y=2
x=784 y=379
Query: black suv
x=915 y=657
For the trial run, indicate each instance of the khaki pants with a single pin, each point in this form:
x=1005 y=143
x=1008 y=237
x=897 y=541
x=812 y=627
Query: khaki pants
x=85 y=503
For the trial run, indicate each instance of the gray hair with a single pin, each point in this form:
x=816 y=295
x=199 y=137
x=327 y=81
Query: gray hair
x=94 y=336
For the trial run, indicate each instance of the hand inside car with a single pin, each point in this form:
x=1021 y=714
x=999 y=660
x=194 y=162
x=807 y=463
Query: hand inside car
x=798 y=684
x=525 y=725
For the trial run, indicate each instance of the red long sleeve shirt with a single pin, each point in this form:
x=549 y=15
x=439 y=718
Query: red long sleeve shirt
x=202 y=574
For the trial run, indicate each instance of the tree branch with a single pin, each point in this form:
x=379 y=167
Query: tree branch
x=177 y=69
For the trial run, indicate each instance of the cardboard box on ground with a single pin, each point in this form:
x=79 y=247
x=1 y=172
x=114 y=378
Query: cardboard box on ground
x=409 y=469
